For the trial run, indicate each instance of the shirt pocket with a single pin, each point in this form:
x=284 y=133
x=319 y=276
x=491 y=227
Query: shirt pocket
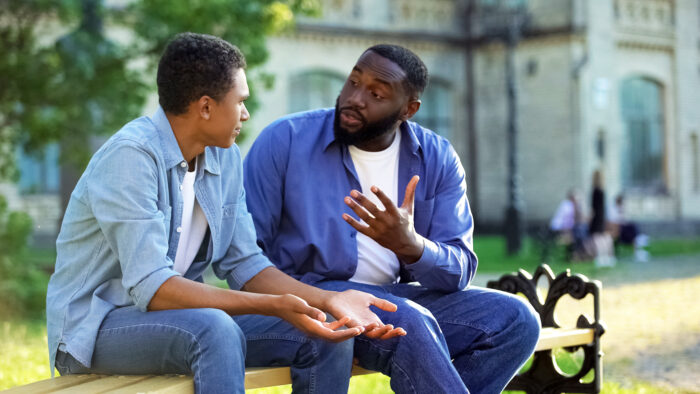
x=423 y=215
x=229 y=216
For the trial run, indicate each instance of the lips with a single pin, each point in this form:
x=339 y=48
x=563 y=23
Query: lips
x=351 y=118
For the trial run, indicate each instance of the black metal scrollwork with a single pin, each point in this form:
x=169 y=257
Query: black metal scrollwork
x=544 y=375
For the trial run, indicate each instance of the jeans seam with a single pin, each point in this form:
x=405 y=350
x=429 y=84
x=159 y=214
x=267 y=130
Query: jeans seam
x=407 y=377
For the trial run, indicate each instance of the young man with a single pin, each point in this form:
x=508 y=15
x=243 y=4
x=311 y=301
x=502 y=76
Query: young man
x=158 y=203
x=356 y=197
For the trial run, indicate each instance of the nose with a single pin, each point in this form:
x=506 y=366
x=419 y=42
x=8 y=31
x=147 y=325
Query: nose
x=356 y=98
x=245 y=115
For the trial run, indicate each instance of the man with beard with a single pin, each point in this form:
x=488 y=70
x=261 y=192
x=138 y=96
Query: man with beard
x=308 y=173
x=159 y=203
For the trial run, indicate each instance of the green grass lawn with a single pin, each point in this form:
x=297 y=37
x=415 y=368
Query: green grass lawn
x=25 y=359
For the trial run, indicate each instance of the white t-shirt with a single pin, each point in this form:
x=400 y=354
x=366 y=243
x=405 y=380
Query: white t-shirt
x=376 y=264
x=193 y=227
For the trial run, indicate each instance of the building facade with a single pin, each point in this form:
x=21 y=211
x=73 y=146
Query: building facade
x=610 y=85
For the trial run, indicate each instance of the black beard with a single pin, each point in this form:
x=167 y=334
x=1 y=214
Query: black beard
x=367 y=132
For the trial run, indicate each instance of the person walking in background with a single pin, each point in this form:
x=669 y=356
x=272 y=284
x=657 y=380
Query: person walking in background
x=602 y=242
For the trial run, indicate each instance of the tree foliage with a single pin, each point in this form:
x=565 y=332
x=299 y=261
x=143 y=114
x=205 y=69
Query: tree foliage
x=65 y=78
x=89 y=80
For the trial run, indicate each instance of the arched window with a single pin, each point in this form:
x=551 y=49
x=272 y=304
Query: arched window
x=643 y=147
x=314 y=89
x=436 y=108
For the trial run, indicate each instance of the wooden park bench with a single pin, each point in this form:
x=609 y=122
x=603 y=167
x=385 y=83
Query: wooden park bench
x=543 y=376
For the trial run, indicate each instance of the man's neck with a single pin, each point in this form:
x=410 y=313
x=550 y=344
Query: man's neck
x=379 y=143
x=185 y=131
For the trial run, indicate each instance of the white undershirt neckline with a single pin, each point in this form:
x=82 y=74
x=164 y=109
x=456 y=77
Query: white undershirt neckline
x=376 y=264
x=193 y=226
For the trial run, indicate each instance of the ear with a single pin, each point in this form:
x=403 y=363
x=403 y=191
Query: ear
x=204 y=105
x=411 y=108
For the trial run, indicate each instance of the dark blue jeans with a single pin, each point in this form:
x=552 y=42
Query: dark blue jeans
x=215 y=348
x=467 y=341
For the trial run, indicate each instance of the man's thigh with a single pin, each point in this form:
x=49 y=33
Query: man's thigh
x=272 y=341
x=464 y=317
x=133 y=342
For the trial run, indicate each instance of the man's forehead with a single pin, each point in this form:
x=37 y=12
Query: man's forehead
x=385 y=69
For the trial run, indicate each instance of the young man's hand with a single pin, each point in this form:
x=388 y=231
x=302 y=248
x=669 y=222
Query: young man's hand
x=354 y=305
x=312 y=321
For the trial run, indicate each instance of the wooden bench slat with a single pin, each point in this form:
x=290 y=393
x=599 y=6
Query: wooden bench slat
x=562 y=337
x=161 y=384
x=105 y=384
x=254 y=378
x=51 y=385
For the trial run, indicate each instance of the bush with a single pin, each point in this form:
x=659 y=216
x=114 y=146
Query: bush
x=22 y=282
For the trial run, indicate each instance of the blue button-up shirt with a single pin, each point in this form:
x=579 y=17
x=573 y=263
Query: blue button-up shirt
x=296 y=176
x=121 y=229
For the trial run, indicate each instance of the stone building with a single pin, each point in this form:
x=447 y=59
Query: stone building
x=602 y=84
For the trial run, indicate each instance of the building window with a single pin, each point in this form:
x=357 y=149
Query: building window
x=643 y=147
x=436 y=108
x=314 y=89
x=39 y=173
x=695 y=161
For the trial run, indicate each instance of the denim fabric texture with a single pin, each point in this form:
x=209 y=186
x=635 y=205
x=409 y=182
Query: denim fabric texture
x=121 y=229
x=214 y=348
x=459 y=339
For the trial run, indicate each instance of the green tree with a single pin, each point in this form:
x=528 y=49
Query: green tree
x=63 y=78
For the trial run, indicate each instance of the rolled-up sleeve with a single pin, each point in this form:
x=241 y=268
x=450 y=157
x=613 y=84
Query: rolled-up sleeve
x=123 y=194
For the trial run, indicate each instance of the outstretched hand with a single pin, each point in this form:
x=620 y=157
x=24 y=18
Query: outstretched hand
x=355 y=305
x=312 y=321
x=392 y=227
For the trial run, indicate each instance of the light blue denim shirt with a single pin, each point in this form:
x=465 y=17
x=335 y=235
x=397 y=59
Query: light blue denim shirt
x=121 y=229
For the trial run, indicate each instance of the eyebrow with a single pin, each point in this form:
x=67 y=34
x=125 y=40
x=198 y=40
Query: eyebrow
x=382 y=81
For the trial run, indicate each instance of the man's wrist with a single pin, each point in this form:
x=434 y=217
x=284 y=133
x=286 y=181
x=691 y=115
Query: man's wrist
x=412 y=252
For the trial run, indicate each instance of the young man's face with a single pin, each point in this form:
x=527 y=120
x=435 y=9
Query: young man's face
x=372 y=100
x=228 y=114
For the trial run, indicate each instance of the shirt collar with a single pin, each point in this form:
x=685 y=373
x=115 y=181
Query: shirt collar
x=172 y=155
x=406 y=128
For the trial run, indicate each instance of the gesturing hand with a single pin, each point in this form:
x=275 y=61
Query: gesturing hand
x=355 y=305
x=312 y=321
x=392 y=227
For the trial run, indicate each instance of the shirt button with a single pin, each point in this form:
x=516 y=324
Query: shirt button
x=180 y=187
x=183 y=164
x=179 y=229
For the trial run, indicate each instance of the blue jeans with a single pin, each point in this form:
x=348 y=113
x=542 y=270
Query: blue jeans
x=467 y=341
x=215 y=348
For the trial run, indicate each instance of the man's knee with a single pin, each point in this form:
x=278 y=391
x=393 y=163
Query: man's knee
x=217 y=332
x=525 y=321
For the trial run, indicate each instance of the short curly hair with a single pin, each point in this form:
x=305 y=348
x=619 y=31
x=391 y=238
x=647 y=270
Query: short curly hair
x=409 y=62
x=194 y=65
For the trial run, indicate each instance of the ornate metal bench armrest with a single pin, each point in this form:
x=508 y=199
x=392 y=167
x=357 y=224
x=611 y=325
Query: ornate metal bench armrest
x=544 y=376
